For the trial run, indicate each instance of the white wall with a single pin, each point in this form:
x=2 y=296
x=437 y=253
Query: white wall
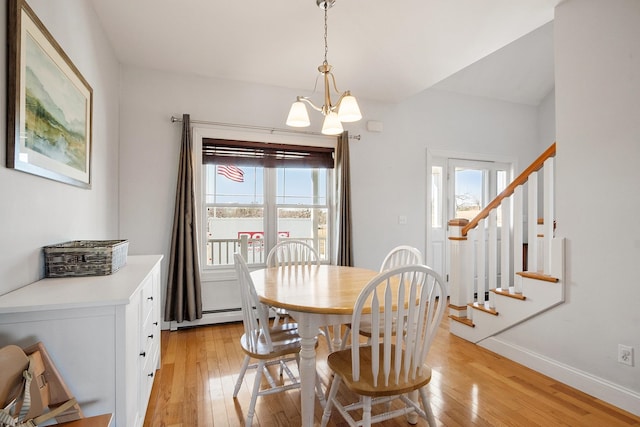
x=598 y=123
x=547 y=121
x=34 y=211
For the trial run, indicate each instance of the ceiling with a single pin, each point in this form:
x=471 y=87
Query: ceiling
x=381 y=51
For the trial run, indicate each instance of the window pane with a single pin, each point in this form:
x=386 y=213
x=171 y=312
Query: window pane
x=228 y=228
x=301 y=186
x=468 y=192
x=306 y=224
x=232 y=188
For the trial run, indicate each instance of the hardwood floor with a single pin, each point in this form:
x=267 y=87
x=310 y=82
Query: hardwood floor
x=470 y=387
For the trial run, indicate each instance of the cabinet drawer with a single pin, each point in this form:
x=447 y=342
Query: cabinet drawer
x=147 y=373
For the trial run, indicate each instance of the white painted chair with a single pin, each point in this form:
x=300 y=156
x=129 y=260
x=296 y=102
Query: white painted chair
x=401 y=255
x=393 y=364
x=291 y=253
x=398 y=256
x=294 y=253
x=276 y=345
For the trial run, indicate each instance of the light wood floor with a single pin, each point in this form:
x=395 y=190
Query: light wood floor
x=470 y=387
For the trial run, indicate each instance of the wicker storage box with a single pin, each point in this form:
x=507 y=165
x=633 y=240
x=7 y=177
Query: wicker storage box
x=85 y=258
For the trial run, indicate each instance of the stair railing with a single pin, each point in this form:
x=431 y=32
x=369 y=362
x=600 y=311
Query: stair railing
x=486 y=257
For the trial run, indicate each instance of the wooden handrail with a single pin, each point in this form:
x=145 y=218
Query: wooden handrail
x=521 y=179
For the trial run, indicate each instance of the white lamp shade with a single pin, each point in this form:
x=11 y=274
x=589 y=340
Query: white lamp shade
x=298 y=115
x=332 y=125
x=349 y=110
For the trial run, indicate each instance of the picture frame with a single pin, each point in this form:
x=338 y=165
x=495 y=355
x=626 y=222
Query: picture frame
x=49 y=104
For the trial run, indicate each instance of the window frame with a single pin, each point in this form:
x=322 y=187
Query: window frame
x=224 y=272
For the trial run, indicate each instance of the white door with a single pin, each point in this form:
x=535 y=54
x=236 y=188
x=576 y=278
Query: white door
x=459 y=188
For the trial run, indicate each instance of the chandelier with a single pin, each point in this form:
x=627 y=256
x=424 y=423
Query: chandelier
x=345 y=109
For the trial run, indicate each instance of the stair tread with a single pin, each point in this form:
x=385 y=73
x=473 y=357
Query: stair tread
x=482 y=307
x=538 y=276
x=463 y=320
x=506 y=293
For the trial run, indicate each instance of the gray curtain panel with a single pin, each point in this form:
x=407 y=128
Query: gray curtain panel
x=184 y=300
x=344 y=252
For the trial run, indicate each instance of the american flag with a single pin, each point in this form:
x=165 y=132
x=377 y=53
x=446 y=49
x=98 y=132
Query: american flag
x=231 y=172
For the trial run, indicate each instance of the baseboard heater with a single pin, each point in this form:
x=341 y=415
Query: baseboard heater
x=212 y=317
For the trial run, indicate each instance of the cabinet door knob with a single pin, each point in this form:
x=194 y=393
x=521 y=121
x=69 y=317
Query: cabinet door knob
x=151 y=336
x=150 y=375
x=155 y=323
x=143 y=354
x=150 y=298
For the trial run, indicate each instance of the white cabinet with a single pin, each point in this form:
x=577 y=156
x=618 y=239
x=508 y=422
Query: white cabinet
x=102 y=332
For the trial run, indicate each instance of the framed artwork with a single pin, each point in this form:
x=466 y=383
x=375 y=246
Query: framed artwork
x=49 y=104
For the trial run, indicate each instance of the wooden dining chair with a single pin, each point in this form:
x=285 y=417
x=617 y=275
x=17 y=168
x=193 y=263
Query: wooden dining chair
x=295 y=253
x=393 y=364
x=398 y=256
x=275 y=345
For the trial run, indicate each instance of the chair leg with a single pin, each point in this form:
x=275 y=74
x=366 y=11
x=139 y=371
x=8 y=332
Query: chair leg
x=427 y=407
x=254 y=393
x=366 y=411
x=325 y=332
x=336 y=336
x=412 y=418
x=345 y=337
x=243 y=370
x=326 y=414
x=319 y=393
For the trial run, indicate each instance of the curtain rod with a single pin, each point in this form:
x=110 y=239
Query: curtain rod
x=271 y=130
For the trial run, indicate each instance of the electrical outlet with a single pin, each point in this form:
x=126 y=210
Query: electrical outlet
x=625 y=354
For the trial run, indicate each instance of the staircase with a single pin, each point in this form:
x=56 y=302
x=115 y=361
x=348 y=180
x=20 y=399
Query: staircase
x=494 y=283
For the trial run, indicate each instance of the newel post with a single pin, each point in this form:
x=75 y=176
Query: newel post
x=459 y=268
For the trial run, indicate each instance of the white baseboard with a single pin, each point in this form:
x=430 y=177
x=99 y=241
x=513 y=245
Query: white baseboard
x=210 y=318
x=614 y=394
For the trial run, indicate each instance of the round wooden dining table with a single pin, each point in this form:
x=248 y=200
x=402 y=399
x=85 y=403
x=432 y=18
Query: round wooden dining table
x=314 y=296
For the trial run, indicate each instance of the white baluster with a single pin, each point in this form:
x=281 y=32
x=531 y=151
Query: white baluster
x=244 y=246
x=492 y=251
x=505 y=244
x=549 y=212
x=517 y=236
x=479 y=259
x=532 y=221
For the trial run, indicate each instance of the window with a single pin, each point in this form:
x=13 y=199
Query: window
x=257 y=194
x=476 y=183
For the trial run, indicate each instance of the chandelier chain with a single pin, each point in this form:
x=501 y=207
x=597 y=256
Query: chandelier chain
x=326 y=46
